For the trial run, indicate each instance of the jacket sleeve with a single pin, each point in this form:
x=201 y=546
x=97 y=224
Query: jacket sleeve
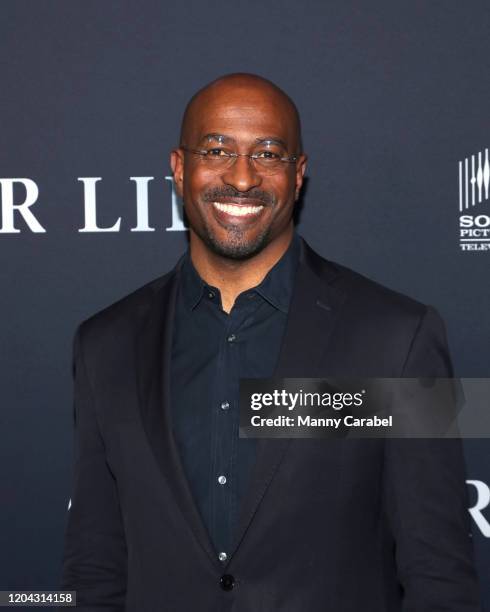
x=95 y=556
x=426 y=499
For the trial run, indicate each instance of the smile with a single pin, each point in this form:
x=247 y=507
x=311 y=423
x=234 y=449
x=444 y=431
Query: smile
x=237 y=210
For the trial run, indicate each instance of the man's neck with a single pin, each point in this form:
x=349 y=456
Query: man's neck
x=232 y=276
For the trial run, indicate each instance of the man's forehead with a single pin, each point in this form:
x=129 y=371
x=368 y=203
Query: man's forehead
x=243 y=120
x=242 y=106
x=242 y=103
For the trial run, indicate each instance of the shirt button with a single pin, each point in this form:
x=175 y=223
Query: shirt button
x=211 y=295
x=231 y=338
x=222 y=556
x=227 y=582
x=225 y=405
x=222 y=480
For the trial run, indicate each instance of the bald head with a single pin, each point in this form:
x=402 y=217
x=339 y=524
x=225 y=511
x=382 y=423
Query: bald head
x=240 y=89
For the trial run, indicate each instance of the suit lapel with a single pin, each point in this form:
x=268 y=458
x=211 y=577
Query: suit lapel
x=314 y=308
x=154 y=348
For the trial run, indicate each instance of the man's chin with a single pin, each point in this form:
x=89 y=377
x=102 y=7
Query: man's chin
x=236 y=247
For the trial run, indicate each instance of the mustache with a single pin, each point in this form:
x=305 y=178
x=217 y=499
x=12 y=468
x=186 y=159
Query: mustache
x=217 y=193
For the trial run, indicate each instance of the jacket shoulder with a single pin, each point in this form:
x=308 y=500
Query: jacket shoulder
x=365 y=293
x=398 y=333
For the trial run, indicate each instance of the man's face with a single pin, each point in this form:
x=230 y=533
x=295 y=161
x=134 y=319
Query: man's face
x=239 y=209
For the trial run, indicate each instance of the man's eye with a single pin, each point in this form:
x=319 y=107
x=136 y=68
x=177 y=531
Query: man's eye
x=216 y=152
x=269 y=155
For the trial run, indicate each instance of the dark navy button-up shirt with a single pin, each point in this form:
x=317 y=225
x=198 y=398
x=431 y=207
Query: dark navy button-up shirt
x=211 y=351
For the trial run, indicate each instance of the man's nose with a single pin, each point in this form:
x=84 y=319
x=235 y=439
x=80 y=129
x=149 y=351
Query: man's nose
x=242 y=175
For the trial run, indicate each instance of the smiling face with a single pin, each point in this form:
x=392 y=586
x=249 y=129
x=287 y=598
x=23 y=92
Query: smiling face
x=237 y=206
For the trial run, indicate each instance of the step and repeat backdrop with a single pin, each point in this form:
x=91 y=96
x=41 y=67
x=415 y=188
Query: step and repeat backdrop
x=395 y=100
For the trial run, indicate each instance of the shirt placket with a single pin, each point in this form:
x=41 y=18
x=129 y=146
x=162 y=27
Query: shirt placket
x=225 y=451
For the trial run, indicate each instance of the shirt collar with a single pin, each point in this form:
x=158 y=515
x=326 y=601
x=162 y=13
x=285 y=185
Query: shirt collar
x=276 y=287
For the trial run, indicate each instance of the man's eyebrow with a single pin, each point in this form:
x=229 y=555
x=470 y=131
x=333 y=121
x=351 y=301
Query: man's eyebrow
x=218 y=137
x=222 y=138
x=271 y=140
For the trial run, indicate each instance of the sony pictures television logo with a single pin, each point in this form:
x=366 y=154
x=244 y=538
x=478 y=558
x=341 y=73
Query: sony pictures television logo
x=474 y=219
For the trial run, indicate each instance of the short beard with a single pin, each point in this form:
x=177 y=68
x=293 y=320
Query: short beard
x=236 y=247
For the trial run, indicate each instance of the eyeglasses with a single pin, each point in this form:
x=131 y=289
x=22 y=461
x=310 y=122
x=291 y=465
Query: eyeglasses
x=265 y=161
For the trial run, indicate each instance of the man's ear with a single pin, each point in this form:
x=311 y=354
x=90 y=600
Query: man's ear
x=300 y=173
x=177 y=165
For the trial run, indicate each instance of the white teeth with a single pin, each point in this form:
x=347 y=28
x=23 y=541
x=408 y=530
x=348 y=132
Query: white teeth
x=239 y=211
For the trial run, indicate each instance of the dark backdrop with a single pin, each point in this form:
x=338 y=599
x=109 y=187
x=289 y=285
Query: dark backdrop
x=393 y=96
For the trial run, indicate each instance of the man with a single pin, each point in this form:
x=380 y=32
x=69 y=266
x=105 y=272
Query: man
x=171 y=511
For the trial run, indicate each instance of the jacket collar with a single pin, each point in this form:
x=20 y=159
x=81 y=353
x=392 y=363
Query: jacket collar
x=276 y=287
